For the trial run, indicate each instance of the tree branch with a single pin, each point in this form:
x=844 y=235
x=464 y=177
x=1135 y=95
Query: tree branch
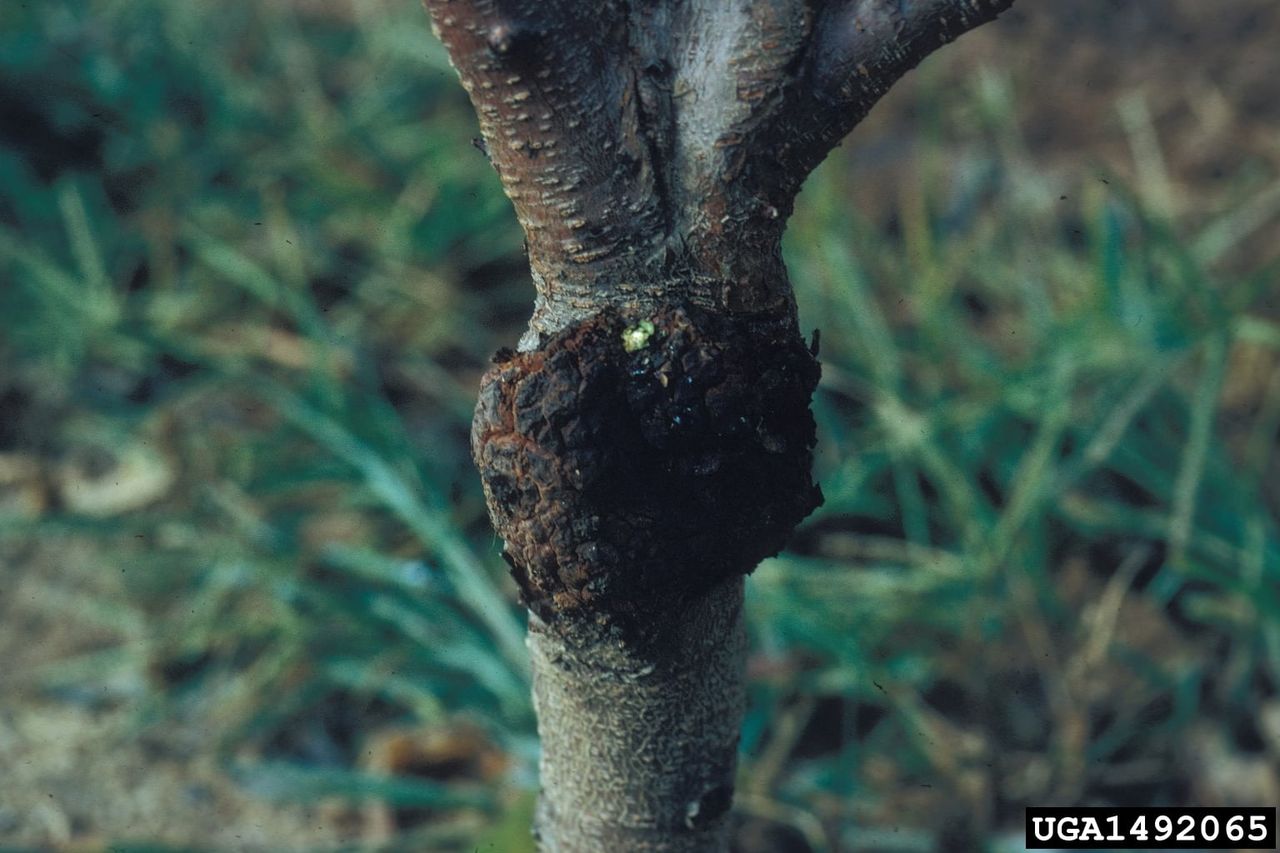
x=855 y=51
x=863 y=47
x=555 y=91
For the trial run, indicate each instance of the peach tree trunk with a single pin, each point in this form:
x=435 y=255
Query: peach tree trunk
x=650 y=441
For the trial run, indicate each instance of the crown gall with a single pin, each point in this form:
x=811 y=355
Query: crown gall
x=634 y=462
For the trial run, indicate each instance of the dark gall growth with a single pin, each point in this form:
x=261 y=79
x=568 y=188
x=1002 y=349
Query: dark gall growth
x=633 y=462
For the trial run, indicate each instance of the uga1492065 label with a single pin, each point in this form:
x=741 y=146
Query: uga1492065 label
x=1151 y=828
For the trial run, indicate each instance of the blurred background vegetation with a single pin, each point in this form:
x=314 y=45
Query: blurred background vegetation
x=251 y=268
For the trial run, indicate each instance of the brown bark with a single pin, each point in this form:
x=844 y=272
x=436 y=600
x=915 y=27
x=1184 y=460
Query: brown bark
x=651 y=441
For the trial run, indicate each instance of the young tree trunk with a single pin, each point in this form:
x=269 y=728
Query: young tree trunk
x=639 y=744
x=651 y=440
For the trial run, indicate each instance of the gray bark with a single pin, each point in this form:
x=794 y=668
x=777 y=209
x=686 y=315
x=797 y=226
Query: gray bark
x=652 y=150
x=640 y=740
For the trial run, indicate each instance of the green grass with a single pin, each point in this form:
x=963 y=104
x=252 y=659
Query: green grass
x=251 y=248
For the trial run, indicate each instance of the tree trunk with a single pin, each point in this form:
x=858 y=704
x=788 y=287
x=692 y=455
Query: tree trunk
x=647 y=761
x=651 y=441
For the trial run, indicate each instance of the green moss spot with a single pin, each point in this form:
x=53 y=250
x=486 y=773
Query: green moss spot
x=637 y=336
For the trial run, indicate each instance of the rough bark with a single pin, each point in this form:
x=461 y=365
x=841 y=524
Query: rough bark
x=633 y=462
x=651 y=440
